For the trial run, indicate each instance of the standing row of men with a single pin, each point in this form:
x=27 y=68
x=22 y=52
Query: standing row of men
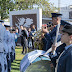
x=61 y=54
x=7 y=47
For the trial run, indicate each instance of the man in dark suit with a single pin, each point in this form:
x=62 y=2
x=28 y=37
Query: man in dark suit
x=51 y=36
x=24 y=40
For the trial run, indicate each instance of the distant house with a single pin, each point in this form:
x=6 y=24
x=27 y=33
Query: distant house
x=66 y=13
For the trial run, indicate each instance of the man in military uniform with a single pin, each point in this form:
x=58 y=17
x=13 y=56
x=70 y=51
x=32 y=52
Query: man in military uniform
x=9 y=47
x=13 y=44
x=59 y=49
x=52 y=35
x=2 y=49
x=5 y=50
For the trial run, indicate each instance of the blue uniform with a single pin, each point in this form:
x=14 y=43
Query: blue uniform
x=44 y=43
x=13 y=46
x=2 y=48
x=51 y=37
x=59 y=50
x=5 y=52
x=9 y=49
x=65 y=60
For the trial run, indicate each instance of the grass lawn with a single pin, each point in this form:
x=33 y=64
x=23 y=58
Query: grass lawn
x=16 y=63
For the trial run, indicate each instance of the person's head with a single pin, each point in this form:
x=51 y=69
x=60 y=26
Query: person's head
x=56 y=17
x=63 y=23
x=7 y=27
x=33 y=26
x=66 y=36
x=29 y=29
x=2 y=22
x=21 y=27
x=24 y=28
x=13 y=30
x=16 y=30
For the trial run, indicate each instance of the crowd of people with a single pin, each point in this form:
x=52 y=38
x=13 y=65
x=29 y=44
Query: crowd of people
x=26 y=38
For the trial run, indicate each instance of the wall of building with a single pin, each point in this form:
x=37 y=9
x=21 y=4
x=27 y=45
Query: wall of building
x=66 y=13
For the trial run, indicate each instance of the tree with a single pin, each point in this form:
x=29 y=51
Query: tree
x=5 y=6
x=9 y=5
x=47 y=8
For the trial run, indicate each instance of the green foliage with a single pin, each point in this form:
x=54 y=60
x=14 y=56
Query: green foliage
x=47 y=8
x=7 y=5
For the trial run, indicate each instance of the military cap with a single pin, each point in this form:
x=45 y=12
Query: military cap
x=1 y=21
x=56 y=14
x=6 y=25
x=63 y=22
x=13 y=29
x=67 y=29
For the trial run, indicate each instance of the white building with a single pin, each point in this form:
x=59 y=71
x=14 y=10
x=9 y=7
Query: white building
x=66 y=13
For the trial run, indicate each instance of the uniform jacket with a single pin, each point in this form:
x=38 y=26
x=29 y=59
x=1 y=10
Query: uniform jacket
x=59 y=50
x=2 y=38
x=9 y=40
x=44 y=43
x=50 y=38
x=65 y=61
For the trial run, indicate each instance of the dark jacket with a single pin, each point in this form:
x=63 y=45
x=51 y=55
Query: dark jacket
x=24 y=33
x=44 y=43
x=65 y=61
x=59 y=50
x=51 y=37
x=23 y=36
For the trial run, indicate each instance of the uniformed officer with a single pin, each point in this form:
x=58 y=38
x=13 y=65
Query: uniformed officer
x=65 y=59
x=56 y=17
x=6 y=51
x=13 y=44
x=2 y=48
x=9 y=47
x=60 y=48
